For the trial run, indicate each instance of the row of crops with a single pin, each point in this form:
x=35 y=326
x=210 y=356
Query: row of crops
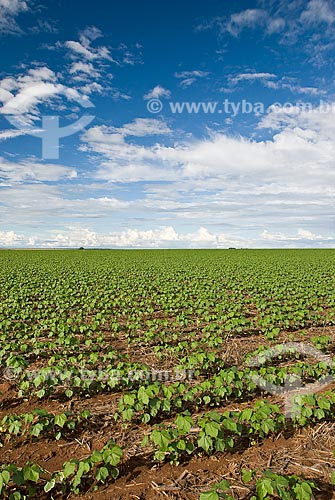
x=112 y=358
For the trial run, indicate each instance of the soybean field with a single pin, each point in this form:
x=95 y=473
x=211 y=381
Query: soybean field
x=155 y=374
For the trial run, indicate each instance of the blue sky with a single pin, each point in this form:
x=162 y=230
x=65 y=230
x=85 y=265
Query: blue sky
x=203 y=125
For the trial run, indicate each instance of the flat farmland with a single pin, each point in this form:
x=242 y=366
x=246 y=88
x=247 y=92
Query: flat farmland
x=154 y=374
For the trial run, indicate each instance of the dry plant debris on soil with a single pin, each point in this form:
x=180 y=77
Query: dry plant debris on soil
x=129 y=374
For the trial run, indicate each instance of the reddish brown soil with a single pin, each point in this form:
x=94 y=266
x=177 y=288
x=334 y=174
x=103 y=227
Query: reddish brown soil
x=308 y=453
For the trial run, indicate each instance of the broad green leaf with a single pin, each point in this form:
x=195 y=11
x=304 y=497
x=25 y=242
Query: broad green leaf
x=101 y=474
x=209 y=495
x=303 y=491
x=60 y=420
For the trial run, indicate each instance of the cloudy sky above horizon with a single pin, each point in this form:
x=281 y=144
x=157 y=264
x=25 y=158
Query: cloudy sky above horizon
x=203 y=126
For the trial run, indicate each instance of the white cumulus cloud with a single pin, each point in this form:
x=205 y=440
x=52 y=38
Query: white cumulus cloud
x=157 y=92
x=9 y=10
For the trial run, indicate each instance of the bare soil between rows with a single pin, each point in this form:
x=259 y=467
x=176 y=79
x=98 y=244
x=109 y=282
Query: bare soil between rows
x=309 y=452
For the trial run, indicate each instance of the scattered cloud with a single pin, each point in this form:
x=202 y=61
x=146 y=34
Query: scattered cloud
x=272 y=81
x=191 y=74
x=33 y=171
x=94 y=87
x=303 y=139
x=81 y=67
x=78 y=49
x=153 y=188
x=318 y=11
x=118 y=95
x=141 y=127
x=83 y=48
x=302 y=235
x=248 y=18
x=312 y=91
x=316 y=125
x=89 y=34
x=157 y=93
x=9 y=10
x=189 y=77
x=248 y=185
x=11 y=134
x=293 y=86
x=38 y=204
x=44 y=26
x=161 y=237
x=165 y=236
x=22 y=95
x=74 y=236
x=251 y=77
x=275 y=25
x=9 y=238
x=87 y=50
x=293 y=22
